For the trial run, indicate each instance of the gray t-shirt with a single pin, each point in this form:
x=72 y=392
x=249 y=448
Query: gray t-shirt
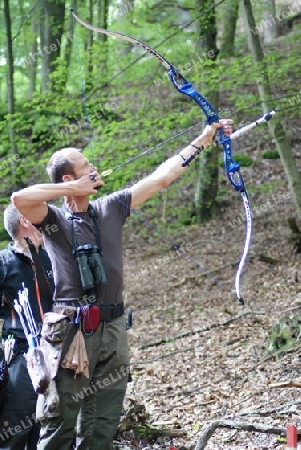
x=57 y=231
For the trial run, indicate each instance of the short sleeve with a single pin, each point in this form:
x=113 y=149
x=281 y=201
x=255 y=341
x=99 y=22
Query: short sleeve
x=49 y=221
x=120 y=201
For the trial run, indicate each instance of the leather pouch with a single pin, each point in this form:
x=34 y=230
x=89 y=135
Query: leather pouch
x=54 y=327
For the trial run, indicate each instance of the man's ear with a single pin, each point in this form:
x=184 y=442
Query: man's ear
x=23 y=221
x=67 y=178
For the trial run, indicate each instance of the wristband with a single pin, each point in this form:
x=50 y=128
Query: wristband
x=200 y=149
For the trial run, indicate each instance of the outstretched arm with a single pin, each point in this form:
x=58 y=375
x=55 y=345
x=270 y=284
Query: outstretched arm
x=172 y=168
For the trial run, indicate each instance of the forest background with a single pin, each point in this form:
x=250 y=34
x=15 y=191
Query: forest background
x=49 y=64
x=245 y=58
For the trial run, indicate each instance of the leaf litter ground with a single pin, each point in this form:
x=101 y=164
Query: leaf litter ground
x=217 y=372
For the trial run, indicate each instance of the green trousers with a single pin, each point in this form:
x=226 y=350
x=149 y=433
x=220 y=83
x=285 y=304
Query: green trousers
x=93 y=405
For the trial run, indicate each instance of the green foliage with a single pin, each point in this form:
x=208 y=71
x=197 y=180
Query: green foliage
x=131 y=103
x=270 y=154
x=242 y=159
x=221 y=193
x=266 y=187
x=285 y=333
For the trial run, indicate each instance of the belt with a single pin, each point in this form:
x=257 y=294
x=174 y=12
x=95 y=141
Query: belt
x=108 y=311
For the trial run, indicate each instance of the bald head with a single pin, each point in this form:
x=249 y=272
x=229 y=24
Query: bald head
x=62 y=163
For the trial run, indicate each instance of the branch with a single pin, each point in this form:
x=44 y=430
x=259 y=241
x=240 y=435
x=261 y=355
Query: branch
x=187 y=349
x=191 y=333
x=168 y=355
x=293 y=308
x=268 y=259
x=26 y=16
x=279 y=352
x=245 y=426
x=285 y=384
x=266 y=411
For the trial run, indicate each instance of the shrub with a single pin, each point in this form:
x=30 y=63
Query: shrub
x=270 y=154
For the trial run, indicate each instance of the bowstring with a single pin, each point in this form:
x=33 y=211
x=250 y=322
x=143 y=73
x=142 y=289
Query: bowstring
x=154 y=148
x=109 y=171
x=172 y=244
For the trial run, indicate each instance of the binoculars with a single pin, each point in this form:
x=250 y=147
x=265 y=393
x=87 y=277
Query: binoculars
x=90 y=266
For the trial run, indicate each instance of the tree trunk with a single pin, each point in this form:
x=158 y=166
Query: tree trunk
x=229 y=27
x=52 y=31
x=69 y=46
x=32 y=67
x=125 y=9
x=207 y=185
x=102 y=18
x=10 y=82
x=42 y=40
x=102 y=22
x=208 y=175
x=90 y=45
x=270 y=28
x=275 y=127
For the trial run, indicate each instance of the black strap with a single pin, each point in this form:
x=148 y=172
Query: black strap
x=108 y=312
x=92 y=213
x=44 y=286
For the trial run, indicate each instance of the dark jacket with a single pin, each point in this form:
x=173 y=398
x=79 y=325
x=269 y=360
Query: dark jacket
x=15 y=269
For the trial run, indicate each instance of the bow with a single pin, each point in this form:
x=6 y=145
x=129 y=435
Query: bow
x=232 y=167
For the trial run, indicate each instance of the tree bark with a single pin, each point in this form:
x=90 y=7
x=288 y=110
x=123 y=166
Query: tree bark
x=270 y=24
x=52 y=31
x=10 y=82
x=69 y=46
x=207 y=184
x=10 y=60
x=275 y=127
x=229 y=26
x=102 y=22
x=32 y=67
x=89 y=67
x=102 y=18
x=124 y=11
